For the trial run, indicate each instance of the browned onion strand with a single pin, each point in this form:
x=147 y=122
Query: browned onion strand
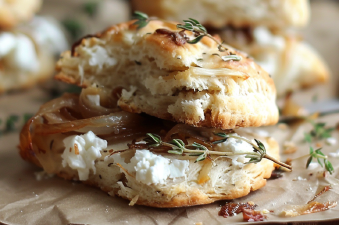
x=89 y=109
x=107 y=124
x=67 y=100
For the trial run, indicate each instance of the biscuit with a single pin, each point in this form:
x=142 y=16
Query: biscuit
x=164 y=76
x=292 y=63
x=238 y=13
x=28 y=53
x=14 y=12
x=45 y=140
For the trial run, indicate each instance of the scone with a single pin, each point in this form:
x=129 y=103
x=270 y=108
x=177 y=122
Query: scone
x=162 y=75
x=292 y=63
x=88 y=138
x=14 y=12
x=238 y=13
x=28 y=53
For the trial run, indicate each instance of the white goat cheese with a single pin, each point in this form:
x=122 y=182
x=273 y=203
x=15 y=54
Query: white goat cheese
x=94 y=99
x=235 y=146
x=81 y=151
x=150 y=168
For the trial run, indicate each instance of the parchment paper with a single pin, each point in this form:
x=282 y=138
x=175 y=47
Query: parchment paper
x=26 y=200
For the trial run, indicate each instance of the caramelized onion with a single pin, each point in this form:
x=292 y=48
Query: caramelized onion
x=107 y=124
x=108 y=102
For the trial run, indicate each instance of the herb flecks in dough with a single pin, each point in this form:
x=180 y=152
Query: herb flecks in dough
x=199 y=32
x=202 y=152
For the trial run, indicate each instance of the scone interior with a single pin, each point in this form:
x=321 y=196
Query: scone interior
x=164 y=76
x=65 y=139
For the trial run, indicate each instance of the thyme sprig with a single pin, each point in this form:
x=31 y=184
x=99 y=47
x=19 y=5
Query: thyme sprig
x=199 y=32
x=142 y=19
x=202 y=152
x=12 y=121
x=317 y=154
x=192 y=25
x=318 y=132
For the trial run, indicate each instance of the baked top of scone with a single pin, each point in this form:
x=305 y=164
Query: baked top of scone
x=291 y=61
x=163 y=75
x=239 y=13
x=14 y=12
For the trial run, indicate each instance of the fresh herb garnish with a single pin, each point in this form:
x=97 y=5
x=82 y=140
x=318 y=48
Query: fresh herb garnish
x=142 y=19
x=318 y=132
x=202 y=152
x=90 y=8
x=317 y=154
x=199 y=32
x=11 y=122
x=73 y=27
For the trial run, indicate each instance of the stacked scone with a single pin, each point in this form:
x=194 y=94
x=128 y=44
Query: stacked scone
x=28 y=44
x=159 y=118
x=265 y=29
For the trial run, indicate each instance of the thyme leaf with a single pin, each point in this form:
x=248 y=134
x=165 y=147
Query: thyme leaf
x=11 y=122
x=90 y=8
x=142 y=19
x=317 y=154
x=73 y=27
x=199 y=32
x=318 y=132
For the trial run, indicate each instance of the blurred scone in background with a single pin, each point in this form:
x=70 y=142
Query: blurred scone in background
x=268 y=30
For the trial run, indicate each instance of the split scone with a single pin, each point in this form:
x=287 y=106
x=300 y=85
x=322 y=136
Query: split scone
x=292 y=63
x=14 y=12
x=88 y=138
x=27 y=54
x=163 y=75
x=238 y=13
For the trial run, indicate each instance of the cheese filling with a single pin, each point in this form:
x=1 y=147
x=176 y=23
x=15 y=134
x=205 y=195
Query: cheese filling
x=81 y=151
x=235 y=146
x=150 y=168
